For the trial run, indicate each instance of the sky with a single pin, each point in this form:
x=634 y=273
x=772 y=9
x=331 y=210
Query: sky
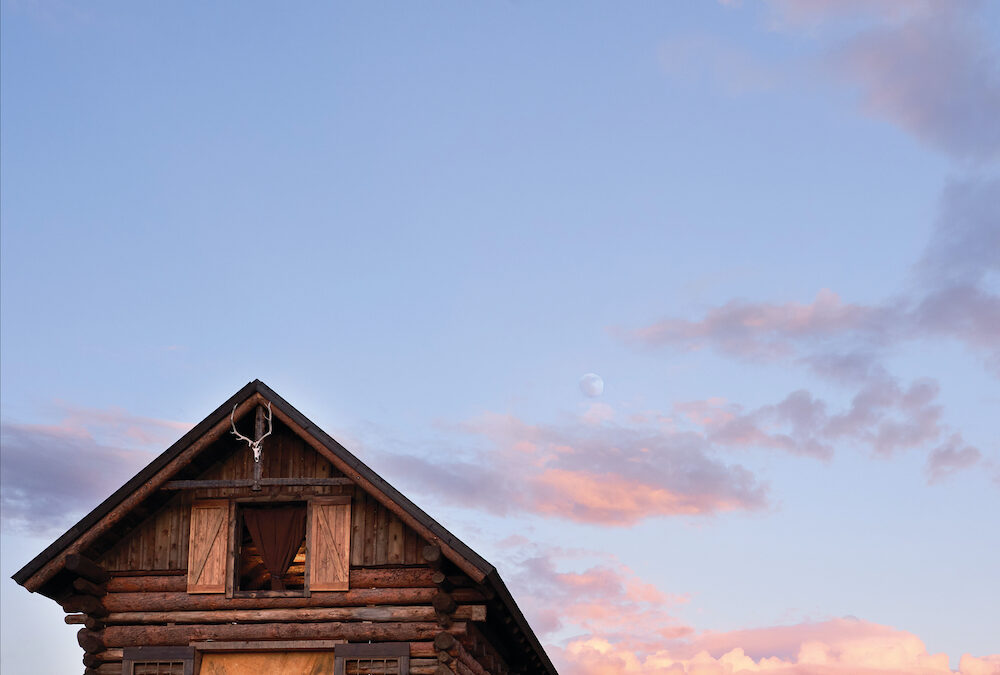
x=684 y=315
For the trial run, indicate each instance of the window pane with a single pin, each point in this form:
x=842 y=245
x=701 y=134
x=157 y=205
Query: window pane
x=158 y=668
x=373 y=666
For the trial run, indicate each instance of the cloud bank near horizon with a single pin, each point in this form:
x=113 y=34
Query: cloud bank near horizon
x=617 y=623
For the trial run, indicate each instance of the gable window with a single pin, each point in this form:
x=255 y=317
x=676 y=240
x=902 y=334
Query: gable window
x=272 y=547
x=385 y=658
x=158 y=661
x=275 y=547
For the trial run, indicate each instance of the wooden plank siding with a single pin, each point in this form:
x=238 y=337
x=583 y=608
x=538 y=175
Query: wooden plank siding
x=160 y=543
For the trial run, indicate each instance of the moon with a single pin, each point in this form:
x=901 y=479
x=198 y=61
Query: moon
x=592 y=385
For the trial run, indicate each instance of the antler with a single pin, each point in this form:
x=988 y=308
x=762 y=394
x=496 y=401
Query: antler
x=254 y=445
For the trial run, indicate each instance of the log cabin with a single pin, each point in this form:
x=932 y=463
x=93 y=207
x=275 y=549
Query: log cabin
x=284 y=555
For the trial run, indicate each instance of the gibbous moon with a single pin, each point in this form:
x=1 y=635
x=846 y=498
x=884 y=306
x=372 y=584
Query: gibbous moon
x=592 y=385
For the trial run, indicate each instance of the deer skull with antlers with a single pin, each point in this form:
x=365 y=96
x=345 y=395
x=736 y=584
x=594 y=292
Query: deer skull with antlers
x=254 y=445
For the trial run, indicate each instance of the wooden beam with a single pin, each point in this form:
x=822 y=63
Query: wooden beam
x=86 y=568
x=86 y=604
x=90 y=641
x=361 y=578
x=247 y=483
x=108 y=655
x=181 y=601
x=86 y=587
x=443 y=602
x=122 y=636
x=376 y=614
x=265 y=645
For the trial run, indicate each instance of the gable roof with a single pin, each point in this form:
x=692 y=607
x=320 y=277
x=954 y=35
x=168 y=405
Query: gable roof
x=40 y=571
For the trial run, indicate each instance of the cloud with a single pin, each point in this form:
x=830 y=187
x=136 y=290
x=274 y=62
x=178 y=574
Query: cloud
x=590 y=470
x=926 y=66
x=883 y=415
x=935 y=75
x=962 y=250
x=601 y=618
x=595 y=469
x=836 y=647
x=951 y=456
x=53 y=474
x=952 y=295
x=811 y=14
x=770 y=331
x=607 y=597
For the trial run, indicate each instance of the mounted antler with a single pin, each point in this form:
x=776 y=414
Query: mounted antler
x=254 y=445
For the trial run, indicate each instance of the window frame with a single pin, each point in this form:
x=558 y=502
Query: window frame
x=132 y=656
x=374 y=650
x=235 y=544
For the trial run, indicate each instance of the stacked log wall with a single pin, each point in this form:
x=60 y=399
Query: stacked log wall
x=397 y=593
x=383 y=605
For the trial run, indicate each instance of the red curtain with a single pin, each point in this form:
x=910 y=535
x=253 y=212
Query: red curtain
x=277 y=533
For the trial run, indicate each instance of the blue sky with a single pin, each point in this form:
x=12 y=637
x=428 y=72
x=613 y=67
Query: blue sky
x=772 y=228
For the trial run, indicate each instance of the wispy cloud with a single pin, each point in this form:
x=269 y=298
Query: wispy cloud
x=925 y=66
x=951 y=295
x=883 y=416
x=606 y=468
x=951 y=456
x=53 y=474
x=606 y=597
x=936 y=75
x=588 y=470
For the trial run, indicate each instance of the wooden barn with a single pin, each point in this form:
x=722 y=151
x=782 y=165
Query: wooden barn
x=275 y=550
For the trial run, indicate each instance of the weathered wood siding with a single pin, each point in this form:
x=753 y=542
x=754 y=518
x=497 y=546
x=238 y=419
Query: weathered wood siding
x=160 y=543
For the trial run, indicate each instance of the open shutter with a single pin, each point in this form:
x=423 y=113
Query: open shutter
x=329 y=544
x=207 y=548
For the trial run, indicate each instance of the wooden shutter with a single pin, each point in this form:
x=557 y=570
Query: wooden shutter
x=329 y=553
x=207 y=549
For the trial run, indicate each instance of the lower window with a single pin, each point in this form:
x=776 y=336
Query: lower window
x=387 y=658
x=158 y=661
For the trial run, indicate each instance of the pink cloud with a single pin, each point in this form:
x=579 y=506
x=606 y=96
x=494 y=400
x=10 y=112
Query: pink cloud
x=870 y=649
x=607 y=598
x=766 y=331
x=117 y=426
x=952 y=295
x=584 y=471
x=53 y=473
x=599 y=471
x=926 y=66
x=620 y=625
x=883 y=416
x=935 y=75
x=951 y=456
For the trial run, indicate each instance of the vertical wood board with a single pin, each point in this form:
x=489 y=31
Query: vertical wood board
x=329 y=546
x=207 y=548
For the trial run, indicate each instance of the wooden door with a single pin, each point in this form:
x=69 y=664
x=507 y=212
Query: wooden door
x=271 y=663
